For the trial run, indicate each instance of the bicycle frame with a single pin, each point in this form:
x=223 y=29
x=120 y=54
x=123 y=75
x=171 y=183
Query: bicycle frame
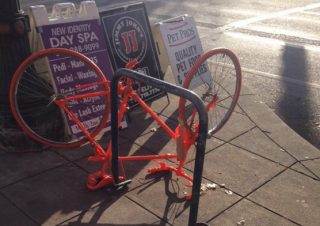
x=183 y=137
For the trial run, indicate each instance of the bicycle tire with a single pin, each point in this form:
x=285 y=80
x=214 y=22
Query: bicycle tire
x=223 y=80
x=34 y=88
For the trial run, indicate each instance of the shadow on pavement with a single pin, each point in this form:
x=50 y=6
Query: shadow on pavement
x=295 y=103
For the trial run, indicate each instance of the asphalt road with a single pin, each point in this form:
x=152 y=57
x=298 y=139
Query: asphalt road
x=277 y=43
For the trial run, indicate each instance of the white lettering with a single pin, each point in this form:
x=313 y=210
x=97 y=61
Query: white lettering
x=65 y=79
x=64 y=40
x=87 y=37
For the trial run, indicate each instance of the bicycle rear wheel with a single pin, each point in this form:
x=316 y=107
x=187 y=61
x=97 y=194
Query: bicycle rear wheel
x=216 y=79
x=54 y=74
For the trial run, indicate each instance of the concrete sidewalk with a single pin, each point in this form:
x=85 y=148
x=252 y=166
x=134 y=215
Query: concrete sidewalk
x=273 y=175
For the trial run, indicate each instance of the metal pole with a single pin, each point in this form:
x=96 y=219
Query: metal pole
x=201 y=140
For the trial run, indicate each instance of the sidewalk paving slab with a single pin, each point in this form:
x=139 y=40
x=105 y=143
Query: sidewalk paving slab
x=292 y=195
x=54 y=196
x=165 y=198
x=251 y=214
x=73 y=154
x=13 y=216
x=241 y=171
x=15 y=167
x=301 y=168
x=255 y=141
x=237 y=125
x=114 y=213
x=313 y=165
x=276 y=129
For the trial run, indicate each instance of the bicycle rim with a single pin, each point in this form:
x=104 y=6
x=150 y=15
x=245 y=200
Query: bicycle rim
x=216 y=79
x=50 y=75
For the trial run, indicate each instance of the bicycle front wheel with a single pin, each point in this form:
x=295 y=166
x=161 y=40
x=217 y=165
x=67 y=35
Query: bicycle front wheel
x=55 y=74
x=216 y=79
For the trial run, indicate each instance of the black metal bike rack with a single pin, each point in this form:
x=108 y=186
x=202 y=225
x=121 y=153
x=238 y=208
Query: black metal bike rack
x=201 y=140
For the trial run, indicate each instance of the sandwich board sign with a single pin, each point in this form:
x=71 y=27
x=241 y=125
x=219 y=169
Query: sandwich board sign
x=80 y=32
x=128 y=35
x=179 y=39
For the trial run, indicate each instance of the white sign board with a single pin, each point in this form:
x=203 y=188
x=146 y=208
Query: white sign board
x=183 y=47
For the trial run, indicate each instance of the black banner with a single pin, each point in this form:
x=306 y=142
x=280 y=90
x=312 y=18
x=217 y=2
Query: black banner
x=128 y=35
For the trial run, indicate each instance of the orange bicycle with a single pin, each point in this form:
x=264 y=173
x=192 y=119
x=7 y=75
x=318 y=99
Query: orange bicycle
x=75 y=114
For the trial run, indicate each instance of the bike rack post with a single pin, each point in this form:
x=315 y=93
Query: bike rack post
x=201 y=140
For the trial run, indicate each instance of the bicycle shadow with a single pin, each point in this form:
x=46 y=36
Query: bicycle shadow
x=123 y=208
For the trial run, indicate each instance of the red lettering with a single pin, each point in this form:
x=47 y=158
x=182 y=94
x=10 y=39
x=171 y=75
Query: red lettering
x=125 y=36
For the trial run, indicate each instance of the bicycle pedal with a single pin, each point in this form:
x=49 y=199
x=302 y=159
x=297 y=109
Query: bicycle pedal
x=95 y=183
x=189 y=197
x=118 y=186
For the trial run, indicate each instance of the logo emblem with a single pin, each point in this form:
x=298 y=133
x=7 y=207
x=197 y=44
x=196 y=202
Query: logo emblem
x=129 y=39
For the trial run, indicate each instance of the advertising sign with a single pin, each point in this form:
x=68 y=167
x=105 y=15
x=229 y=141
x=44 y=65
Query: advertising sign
x=183 y=47
x=128 y=34
x=81 y=33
